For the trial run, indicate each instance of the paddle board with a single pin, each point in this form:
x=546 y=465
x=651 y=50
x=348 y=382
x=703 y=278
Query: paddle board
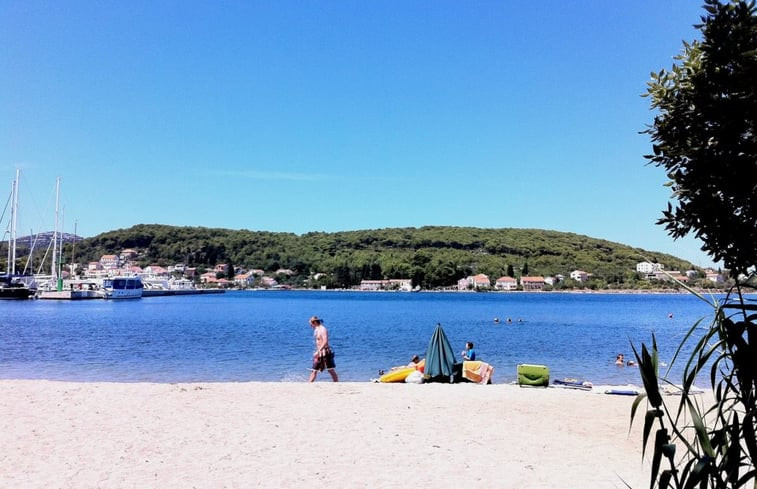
x=622 y=392
x=573 y=384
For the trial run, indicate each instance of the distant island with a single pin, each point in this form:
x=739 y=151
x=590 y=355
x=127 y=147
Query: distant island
x=425 y=258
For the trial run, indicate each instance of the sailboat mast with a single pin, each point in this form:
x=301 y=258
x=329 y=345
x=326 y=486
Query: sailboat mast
x=54 y=268
x=60 y=243
x=14 y=223
x=73 y=250
x=10 y=228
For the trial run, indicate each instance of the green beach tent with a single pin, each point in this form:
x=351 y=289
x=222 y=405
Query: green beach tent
x=440 y=359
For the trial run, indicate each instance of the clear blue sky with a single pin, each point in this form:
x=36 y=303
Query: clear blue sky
x=331 y=115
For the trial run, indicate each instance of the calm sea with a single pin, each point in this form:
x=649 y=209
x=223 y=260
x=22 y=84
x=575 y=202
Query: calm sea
x=265 y=336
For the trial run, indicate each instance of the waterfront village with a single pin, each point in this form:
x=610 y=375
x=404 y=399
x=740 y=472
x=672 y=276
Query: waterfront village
x=111 y=265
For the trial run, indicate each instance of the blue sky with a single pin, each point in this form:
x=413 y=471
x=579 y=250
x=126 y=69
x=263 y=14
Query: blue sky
x=331 y=116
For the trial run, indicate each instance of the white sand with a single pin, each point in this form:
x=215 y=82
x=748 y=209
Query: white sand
x=115 y=435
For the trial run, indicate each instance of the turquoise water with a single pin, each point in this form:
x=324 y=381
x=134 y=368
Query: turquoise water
x=265 y=336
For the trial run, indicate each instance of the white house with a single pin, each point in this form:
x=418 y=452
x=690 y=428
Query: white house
x=128 y=254
x=475 y=281
x=401 y=284
x=208 y=278
x=371 y=285
x=110 y=262
x=579 y=276
x=155 y=270
x=506 y=283
x=481 y=280
x=269 y=282
x=714 y=277
x=244 y=279
x=649 y=268
x=671 y=275
x=551 y=280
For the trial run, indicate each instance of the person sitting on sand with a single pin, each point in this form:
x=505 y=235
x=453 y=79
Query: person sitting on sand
x=619 y=361
x=469 y=353
x=413 y=363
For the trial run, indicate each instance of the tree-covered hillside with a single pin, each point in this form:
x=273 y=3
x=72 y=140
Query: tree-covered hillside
x=431 y=256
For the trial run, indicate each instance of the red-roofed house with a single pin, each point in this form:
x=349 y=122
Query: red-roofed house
x=532 y=283
x=506 y=283
x=269 y=282
x=128 y=254
x=481 y=280
x=244 y=279
x=208 y=278
x=155 y=270
x=714 y=276
x=110 y=262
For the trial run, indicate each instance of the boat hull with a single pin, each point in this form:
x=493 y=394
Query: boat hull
x=397 y=375
x=69 y=295
x=16 y=293
x=123 y=294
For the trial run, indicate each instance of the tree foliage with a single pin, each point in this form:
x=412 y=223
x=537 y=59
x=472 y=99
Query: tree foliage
x=704 y=135
x=430 y=256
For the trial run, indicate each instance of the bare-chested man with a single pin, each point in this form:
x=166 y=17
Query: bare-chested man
x=323 y=358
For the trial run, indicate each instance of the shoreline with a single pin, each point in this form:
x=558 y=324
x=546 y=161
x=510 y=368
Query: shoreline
x=579 y=291
x=280 y=434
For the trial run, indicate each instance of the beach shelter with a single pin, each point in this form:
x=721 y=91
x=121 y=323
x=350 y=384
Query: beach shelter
x=440 y=359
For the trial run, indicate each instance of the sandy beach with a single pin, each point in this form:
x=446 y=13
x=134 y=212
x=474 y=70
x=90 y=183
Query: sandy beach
x=208 y=435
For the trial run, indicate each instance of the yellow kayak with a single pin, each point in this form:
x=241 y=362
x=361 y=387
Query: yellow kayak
x=397 y=375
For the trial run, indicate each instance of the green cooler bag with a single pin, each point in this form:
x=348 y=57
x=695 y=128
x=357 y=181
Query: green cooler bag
x=533 y=375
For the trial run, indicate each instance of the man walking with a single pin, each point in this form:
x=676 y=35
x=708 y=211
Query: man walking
x=323 y=358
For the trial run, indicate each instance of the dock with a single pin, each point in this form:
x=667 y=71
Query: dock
x=69 y=295
x=77 y=294
x=165 y=292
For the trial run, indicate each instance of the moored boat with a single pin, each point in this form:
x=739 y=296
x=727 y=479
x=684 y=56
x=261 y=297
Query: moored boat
x=72 y=290
x=122 y=288
x=157 y=287
x=13 y=285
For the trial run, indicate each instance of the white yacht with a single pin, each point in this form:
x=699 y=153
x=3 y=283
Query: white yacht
x=122 y=288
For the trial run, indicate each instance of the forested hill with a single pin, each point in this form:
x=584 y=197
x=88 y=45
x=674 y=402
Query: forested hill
x=431 y=256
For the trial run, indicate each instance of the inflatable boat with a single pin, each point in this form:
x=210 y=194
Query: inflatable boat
x=399 y=374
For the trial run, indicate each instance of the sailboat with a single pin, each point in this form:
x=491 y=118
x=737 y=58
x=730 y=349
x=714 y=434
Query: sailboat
x=13 y=285
x=53 y=289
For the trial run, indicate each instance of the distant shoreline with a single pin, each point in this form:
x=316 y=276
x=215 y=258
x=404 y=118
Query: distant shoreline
x=704 y=292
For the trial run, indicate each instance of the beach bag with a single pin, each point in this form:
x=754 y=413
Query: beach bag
x=415 y=377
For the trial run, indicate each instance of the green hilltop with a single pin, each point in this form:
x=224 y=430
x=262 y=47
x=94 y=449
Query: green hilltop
x=432 y=256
